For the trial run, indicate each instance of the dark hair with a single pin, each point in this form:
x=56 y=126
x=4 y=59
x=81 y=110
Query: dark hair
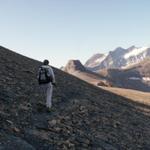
x=45 y=62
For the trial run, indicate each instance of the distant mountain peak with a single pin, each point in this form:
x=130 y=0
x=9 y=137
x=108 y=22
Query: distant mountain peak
x=95 y=60
x=118 y=48
x=132 y=47
x=74 y=65
x=118 y=58
x=98 y=54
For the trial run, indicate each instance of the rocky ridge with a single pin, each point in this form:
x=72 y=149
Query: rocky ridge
x=75 y=67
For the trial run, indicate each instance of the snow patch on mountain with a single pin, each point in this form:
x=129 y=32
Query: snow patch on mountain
x=135 y=52
x=134 y=78
x=95 y=60
x=146 y=78
x=99 y=60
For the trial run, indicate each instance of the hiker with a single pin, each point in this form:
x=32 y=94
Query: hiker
x=46 y=80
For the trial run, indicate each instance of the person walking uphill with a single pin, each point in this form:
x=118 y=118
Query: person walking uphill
x=46 y=79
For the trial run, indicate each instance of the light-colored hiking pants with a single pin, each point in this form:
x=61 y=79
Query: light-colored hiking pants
x=47 y=90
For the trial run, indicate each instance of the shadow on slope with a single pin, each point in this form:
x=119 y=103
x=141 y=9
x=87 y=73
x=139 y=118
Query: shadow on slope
x=83 y=116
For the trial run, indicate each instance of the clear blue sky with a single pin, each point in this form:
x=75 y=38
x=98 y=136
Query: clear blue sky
x=72 y=29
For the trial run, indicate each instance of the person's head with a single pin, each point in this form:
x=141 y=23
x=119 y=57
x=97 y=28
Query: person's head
x=45 y=62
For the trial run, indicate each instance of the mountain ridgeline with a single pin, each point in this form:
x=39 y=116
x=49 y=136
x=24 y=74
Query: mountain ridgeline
x=74 y=65
x=123 y=68
x=76 y=68
x=83 y=116
x=118 y=58
x=135 y=77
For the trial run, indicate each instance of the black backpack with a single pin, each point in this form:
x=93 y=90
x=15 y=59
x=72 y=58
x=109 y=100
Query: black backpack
x=44 y=76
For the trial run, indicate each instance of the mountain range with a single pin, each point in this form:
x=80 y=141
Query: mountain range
x=76 y=68
x=83 y=116
x=134 y=77
x=134 y=73
x=118 y=58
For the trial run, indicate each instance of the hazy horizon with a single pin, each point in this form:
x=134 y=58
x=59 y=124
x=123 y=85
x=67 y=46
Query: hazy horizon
x=63 y=30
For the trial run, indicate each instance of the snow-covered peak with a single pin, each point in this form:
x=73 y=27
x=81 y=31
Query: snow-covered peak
x=135 y=51
x=99 y=60
x=118 y=58
x=95 y=60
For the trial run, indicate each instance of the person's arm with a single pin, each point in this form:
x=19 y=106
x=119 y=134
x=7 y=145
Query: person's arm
x=38 y=73
x=51 y=72
x=53 y=76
